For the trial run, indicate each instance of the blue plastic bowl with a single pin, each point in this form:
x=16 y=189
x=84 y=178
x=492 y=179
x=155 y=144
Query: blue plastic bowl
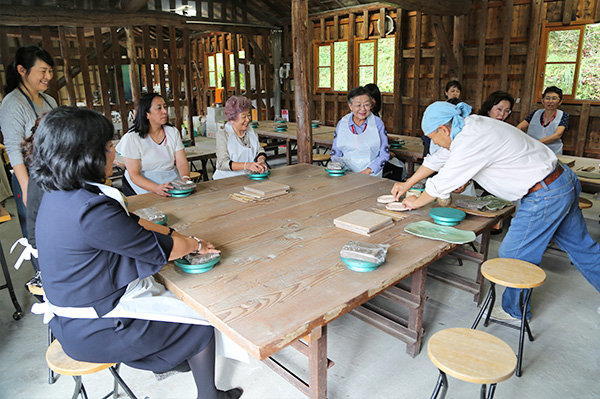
x=259 y=176
x=447 y=216
x=361 y=266
x=196 y=269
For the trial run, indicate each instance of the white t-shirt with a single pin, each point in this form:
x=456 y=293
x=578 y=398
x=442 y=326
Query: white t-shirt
x=498 y=156
x=153 y=156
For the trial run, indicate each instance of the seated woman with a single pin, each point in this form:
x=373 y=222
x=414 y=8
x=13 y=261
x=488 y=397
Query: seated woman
x=95 y=256
x=549 y=124
x=498 y=105
x=360 y=137
x=238 y=148
x=152 y=150
x=453 y=89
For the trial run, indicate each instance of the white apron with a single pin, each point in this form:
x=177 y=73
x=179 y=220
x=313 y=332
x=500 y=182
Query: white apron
x=237 y=152
x=538 y=131
x=155 y=176
x=144 y=299
x=359 y=149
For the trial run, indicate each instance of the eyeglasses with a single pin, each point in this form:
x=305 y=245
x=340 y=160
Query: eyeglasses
x=505 y=111
x=359 y=105
x=554 y=98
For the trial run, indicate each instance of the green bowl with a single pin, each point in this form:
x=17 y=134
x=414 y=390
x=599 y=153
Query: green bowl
x=187 y=143
x=281 y=129
x=163 y=221
x=259 y=176
x=361 y=266
x=180 y=193
x=336 y=172
x=315 y=125
x=447 y=216
x=196 y=269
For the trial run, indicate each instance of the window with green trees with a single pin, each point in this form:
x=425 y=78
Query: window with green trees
x=375 y=63
x=233 y=68
x=569 y=59
x=332 y=66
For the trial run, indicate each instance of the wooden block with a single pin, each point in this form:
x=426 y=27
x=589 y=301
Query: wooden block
x=363 y=221
x=4 y=215
x=266 y=188
x=260 y=196
x=570 y=162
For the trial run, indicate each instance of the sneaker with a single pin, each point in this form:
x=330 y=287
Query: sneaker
x=499 y=314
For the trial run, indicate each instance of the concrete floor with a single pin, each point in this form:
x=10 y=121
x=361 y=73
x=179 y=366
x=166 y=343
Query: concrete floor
x=562 y=362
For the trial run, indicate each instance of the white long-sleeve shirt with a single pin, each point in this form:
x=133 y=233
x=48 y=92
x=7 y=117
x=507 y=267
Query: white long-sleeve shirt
x=498 y=156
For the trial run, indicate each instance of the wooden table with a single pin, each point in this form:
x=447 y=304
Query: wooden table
x=410 y=153
x=280 y=277
x=587 y=184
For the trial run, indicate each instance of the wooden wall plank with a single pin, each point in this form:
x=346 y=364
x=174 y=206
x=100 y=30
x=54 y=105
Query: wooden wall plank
x=236 y=63
x=582 y=130
x=134 y=76
x=147 y=49
x=322 y=29
x=351 y=55
x=398 y=72
x=85 y=72
x=102 y=72
x=161 y=61
x=118 y=62
x=268 y=70
x=365 y=32
x=381 y=22
x=203 y=78
x=187 y=80
x=481 y=34
x=417 y=72
x=458 y=45
x=174 y=78
x=64 y=49
x=336 y=28
x=47 y=45
x=567 y=12
x=507 y=30
x=226 y=76
x=535 y=28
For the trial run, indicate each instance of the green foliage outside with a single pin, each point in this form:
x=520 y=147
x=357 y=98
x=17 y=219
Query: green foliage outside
x=220 y=69
x=340 y=66
x=211 y=71
x=563 y=46
x=385 y=64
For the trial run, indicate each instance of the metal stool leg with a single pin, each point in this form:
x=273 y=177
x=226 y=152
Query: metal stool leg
x=491 y=391
x=115 y=372
x=442 y=383
x=79 y=389
x=489 y=298
x=524 y=326
x=483 y=391
x=18 y=315
x=51 y=377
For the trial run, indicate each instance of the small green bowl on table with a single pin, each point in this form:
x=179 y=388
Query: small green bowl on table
x=361 y=266
x=447 y=216
x=259 y=176
x=336 y=172
x=187 y=267
x=180 y=193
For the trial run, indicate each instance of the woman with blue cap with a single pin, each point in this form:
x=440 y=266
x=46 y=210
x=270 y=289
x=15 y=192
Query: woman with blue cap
x=512 y=166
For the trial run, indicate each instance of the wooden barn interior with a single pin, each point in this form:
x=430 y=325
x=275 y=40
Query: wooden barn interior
x=281 y=54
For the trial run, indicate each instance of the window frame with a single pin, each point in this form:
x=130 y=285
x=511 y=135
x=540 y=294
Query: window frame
x=317 y=67
x=543 y=51
x=357 y=65
x=208 y=71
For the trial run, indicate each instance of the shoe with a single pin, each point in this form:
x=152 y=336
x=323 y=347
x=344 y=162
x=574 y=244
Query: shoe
x=495 y=232
x=234 y=393
x=499 y=314
x=182 y=367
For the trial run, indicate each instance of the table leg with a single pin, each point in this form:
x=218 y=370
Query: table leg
x=415 y=314
x=204 y=170
x=317 y=363
x=288 y=152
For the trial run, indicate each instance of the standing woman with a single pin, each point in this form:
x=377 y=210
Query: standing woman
x=152 y=149
x=26 y=80
x=360 y=137
x=238 y=148
x=548 y=125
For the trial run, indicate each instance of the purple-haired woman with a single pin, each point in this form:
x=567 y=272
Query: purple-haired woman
x=238 y=148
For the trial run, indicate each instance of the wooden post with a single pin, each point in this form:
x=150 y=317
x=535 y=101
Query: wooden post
x=147 y=58
x=236 y=64
x=528 y=94
x=85 y=73
x=584 y=118
x=507 y=29
x=276 y=51
x=187 y=80
x=351 y=35
x=47 y=42
x=134 y=77
x=458 y=46
x=301 y=82
x=117 y=62
x=398 y=73
x=161 y=61
x=64 y=49
x=174 y=79
x=481 y=30
x=416 y=75
x=102 y=72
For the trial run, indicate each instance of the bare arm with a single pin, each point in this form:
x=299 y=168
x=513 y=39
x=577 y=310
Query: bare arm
x=134 y=167
x=523 y=125
x=181 y=163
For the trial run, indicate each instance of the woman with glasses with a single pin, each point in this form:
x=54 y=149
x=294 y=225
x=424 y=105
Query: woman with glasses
x=360 y=137
x=498 y=105
x=549 y=124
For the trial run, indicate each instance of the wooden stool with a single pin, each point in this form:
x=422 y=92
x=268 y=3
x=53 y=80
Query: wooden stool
x=61 y=363
x=584 y=203
x=321 y=159
x=512 y=273
x=472 y=356
x=195 y=177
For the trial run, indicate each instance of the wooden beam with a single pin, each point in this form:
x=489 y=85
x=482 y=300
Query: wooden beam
x=236 y=63
x=134 y=77
x=365 y=31
x=147 y=58
x=102 y=72
x=398 y=72
x=481 y=33
x=382 y=22
x=416 y=75
x=301 y=79
x=458 y=45
x=174 y=79
x=133 y=5
x=528 y=94
x=85 y=72
x=64 y=49
x=351 y=36
x=444 y=43
x=336 y=28
x=117 y=62
x=187 y=80
x=506 y=34
x=434 y=7
x=47 y=44
x=568 y=12
x=584 y=118
x=160 y=61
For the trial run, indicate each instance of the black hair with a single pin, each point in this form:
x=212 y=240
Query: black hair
x=358 y=91
x=453 y=83
x=70 y=148
x=553 y=89
x=376 y=96
x=141 y=124
x=26 y=57
x=494 y=99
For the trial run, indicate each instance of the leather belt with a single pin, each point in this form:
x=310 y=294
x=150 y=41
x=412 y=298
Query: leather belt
x=548 y=179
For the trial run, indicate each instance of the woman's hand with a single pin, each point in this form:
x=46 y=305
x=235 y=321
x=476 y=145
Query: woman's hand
x=162 y=189
x=367 y=171
x=207 y=248
x=256 y=167
x=399 y=189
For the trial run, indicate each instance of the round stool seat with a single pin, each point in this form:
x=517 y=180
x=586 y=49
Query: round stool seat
x=585 y=203
x=195 y=176
x=61 y=363
x=513 y=273
x=321 y=157
x=262 y=144
x=472 y=355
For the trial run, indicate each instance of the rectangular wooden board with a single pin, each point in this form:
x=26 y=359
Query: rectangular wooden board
x=266 y=188
x=364 y=221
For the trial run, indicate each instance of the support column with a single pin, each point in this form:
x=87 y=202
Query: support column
x=276 y=50
x=301 y=79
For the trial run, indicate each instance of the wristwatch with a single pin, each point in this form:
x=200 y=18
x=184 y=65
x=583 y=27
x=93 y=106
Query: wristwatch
x=199 y=245
x=171 y=231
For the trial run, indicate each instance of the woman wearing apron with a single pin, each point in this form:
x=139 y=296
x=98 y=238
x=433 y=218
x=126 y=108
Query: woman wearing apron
x=549 y=124
x=238 y=148
x=152 y=150
x=97 y=260
x=360 y=138
x=26 y=80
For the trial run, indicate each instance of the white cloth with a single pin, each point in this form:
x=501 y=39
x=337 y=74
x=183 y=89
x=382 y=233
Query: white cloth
x=27 y=253
x=359 y=149
x=157 y=160
x=498 y=156
x=538 y=131
x=237 y=152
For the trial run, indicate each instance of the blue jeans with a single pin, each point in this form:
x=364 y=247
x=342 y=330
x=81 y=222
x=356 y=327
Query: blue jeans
x=551 y=213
